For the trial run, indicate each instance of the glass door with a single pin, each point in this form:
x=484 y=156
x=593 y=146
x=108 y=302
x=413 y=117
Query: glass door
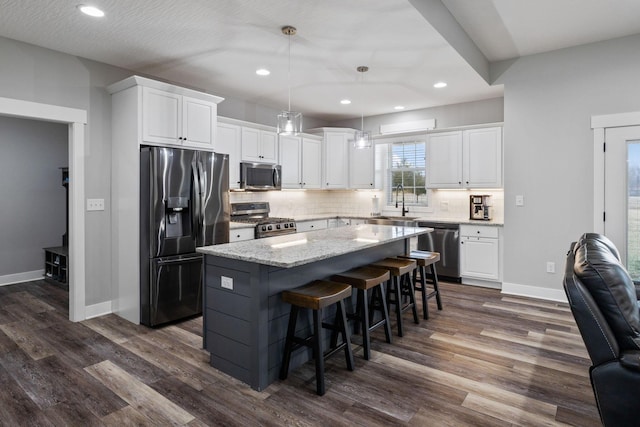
x=622 y=194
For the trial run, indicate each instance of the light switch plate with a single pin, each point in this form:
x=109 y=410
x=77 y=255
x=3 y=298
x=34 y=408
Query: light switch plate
x=520 y=200
x=95 y=204
x=226 y=282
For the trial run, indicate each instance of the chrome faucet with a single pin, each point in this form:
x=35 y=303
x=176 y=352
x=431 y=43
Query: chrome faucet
x=401 y=187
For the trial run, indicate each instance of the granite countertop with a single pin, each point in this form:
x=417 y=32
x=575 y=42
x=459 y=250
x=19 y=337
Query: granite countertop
x=292 y=250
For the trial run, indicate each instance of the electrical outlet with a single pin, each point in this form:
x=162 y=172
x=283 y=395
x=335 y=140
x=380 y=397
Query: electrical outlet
x=95 y=204
x=520 y=200
x=226 y=282
x=551 y=267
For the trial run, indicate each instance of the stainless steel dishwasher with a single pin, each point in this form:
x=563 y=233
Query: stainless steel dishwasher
x=444 y=239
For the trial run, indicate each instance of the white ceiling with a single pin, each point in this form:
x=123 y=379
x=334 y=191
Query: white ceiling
x=217 y=45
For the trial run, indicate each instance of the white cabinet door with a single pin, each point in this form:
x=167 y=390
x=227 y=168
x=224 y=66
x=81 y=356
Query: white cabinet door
x=259 y=146
x=198 y=122
x=336 y=160
x=291 y=161
x=250 y=144
x=228 y=139
x=482 y=158
x=444 y=160
x=480 y=252
x=240 y=234
x=311 y=163
x=268 y=146
x=169 y=118
x=316 y=224
x=161 y=116
x=480 y=258
x=361 y=167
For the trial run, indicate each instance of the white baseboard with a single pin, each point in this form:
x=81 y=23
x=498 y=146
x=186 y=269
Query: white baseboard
x=27 y=276
x=96 y=310
x=557 y=295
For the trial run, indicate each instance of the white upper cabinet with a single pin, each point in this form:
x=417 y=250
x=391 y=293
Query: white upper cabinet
x=444 y=160
x=300 y=157
x=228 y=139
x=174 y=119
x=336 y=159
x=361 y=167
x=311 y=162
x=259 y=145
x=335 y=156
x=469 y=158
x=291 y=161
x=482 y=157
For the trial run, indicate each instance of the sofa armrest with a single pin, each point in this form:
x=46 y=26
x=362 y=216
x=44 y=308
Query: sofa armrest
x=630 y=359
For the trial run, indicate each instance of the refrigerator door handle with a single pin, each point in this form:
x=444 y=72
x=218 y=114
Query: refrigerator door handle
x=197 y=208
x=201 y=200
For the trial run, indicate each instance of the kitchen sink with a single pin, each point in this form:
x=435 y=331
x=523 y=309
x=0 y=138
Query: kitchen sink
x=399 y=218
x=404 y=221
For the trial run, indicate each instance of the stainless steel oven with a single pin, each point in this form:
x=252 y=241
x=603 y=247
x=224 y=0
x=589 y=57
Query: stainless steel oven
x=260 y=176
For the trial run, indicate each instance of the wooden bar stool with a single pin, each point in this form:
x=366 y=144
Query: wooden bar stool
x=400 y=284
x=316 y=296
x=426 y=259
x=365 y=279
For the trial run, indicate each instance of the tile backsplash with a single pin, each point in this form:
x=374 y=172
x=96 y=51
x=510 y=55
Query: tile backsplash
x=453 y=204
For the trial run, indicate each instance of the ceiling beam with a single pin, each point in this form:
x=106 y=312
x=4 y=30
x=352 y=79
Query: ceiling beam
x=439 y=17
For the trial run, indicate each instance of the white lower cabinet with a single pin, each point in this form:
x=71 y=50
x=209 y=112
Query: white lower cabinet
x=240 y=234
x=316 y=224
x=480 y=252
x=338 y=222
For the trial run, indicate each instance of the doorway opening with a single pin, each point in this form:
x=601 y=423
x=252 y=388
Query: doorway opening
x=76 y=121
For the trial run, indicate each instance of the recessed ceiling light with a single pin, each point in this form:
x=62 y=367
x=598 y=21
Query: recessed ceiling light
x=440 y=85
x=263 y=72
x=399 y=107
x=345 y=102
x=91 y=10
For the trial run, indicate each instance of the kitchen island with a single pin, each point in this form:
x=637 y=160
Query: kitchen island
x=245 y=320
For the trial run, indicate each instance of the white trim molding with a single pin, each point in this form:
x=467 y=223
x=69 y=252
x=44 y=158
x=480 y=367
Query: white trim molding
x=76 y=119
x=27 y=276
x=557 y=295
x=96 y=310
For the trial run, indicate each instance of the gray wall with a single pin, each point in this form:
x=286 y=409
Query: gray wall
x=549 y=100
x=468 y=113
x=32 y=211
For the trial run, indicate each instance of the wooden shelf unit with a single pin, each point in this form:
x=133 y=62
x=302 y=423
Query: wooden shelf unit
x=56 y=265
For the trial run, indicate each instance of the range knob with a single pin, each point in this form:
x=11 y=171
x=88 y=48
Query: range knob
x=269 y=228
x=278 y=226
x=286 y=226
x=264 y=228
x=291 y=225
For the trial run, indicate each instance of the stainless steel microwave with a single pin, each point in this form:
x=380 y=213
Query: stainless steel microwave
x=260 y=176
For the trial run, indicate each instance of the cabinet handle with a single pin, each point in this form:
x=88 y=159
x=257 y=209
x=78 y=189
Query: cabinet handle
x=478 y=231
x=459 y=182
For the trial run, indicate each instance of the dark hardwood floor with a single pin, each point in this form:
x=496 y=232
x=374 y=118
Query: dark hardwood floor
x=485 y=360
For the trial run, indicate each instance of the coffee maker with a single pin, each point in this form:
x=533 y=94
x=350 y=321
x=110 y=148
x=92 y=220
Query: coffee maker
x=480 y=207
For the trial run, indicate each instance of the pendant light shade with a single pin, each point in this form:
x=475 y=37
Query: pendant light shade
x=289 y=122
x=362 y=139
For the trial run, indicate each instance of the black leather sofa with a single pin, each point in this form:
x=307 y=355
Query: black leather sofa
x=605 y=303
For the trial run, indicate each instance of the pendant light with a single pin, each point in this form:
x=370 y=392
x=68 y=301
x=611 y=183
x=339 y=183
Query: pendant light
x=289 y=122
x=362 y=139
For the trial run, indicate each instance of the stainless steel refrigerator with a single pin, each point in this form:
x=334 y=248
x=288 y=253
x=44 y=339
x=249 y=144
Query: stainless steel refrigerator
x=184 y=204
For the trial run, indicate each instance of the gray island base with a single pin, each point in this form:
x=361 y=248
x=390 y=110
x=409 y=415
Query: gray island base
x=245 y=320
